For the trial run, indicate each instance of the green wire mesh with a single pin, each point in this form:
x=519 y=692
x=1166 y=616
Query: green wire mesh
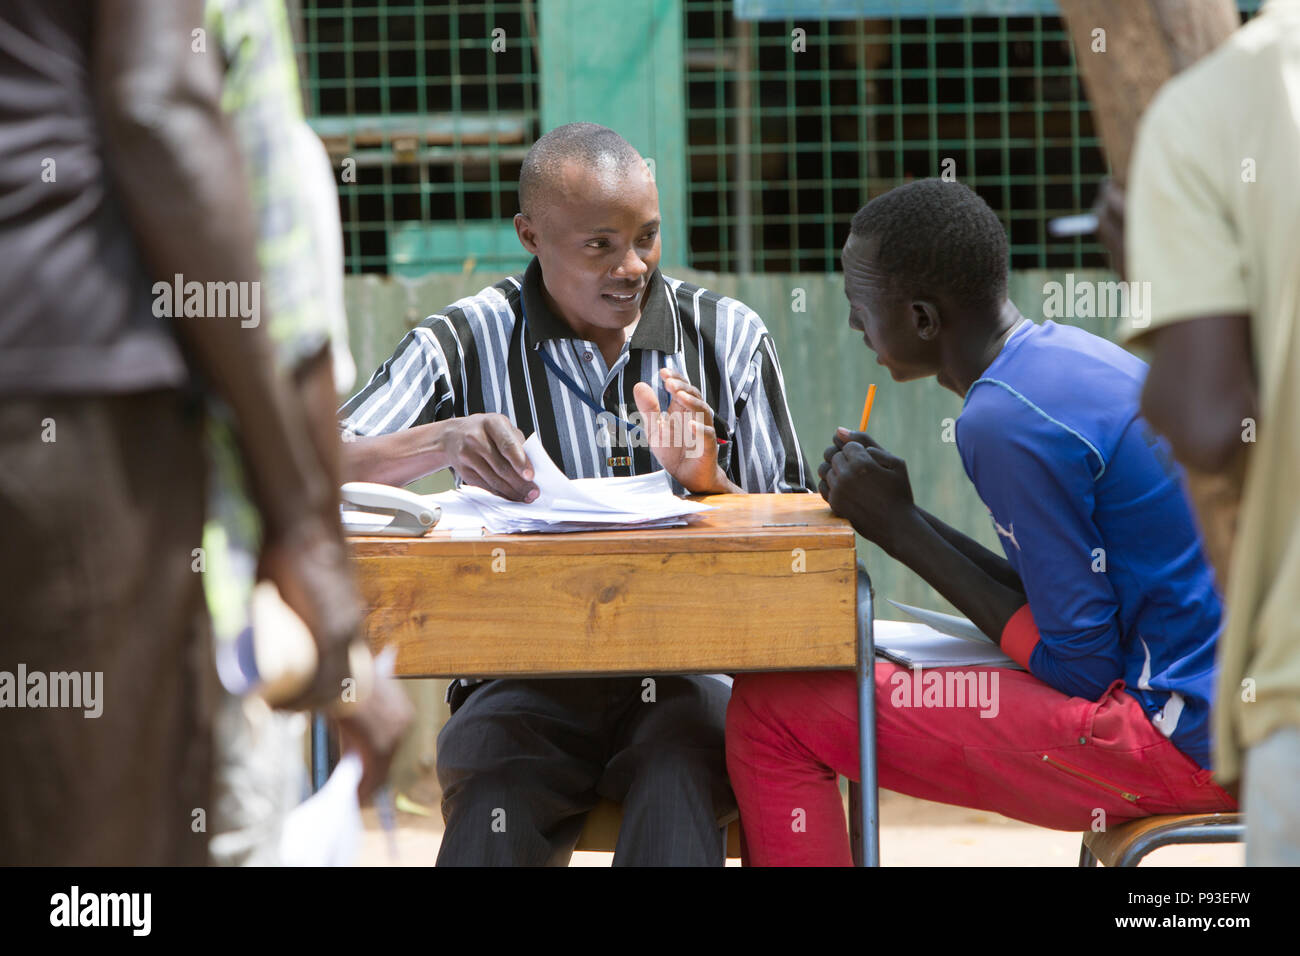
x=789 y=134
x=783 y=144
x=435 y=121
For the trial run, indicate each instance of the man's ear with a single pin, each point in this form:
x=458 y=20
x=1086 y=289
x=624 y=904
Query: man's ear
x=925 y=319
x=526 y=232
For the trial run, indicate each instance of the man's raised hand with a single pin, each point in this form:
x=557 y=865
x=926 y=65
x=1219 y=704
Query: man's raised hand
x=682 y=437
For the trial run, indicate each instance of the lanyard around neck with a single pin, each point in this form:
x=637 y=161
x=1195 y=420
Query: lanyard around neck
x=567 y=380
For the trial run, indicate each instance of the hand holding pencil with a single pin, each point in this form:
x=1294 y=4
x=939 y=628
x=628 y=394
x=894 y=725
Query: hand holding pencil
x=843 y=435
x=866 y=407
x=864 y=483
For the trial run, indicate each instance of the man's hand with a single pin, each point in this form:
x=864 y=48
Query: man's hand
x=867 y=485
x=309 y=566
x=488 y=451
x=375 y=729
x=683 y=438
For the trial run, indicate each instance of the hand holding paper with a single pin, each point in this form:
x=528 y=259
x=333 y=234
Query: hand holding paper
x=487 y=451
x=564 y=504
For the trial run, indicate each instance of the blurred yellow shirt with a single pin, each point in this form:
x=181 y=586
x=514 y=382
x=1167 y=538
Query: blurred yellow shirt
x=1213 y=223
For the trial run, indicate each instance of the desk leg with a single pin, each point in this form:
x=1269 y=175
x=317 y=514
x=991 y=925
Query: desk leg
x=866 y=832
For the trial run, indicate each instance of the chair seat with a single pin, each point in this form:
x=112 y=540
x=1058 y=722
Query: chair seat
x=1126 y=844
x=600 y=832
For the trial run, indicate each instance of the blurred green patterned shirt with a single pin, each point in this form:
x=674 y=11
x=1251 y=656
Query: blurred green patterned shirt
x=299 y=251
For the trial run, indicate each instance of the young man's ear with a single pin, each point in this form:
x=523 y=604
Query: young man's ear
x=925 y=319
x=526 y=232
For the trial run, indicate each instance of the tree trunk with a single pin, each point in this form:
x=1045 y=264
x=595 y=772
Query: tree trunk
x=1125 y=50
x=1143 y=43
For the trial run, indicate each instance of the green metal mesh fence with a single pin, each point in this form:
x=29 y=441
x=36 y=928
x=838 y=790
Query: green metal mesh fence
x=434 y=119
x=786 y=133
x=793 y=124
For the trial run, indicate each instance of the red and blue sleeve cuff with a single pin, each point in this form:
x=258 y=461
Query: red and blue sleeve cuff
x=1020 y=636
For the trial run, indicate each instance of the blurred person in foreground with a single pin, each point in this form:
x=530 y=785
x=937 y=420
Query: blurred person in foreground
x=260 y=774
x=116 y=168
x=1213 y=222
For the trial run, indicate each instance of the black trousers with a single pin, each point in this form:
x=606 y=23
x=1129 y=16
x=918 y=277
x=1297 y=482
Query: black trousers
x=522 y=761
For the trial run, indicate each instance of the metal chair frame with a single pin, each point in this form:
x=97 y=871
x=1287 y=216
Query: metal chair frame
x=1213 y=828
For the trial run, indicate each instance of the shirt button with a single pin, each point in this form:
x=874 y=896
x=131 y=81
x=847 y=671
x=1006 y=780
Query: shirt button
x=587 y=356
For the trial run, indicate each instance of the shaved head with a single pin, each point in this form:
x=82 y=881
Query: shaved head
x=593 y=151
x=590 y=214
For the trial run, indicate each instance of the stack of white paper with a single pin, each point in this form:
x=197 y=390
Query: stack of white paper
x=948 y=624
x=565 y=504
x=919 y=645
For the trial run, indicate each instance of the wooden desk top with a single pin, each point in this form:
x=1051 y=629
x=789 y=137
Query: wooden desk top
x=763 y=582
x=737 y=523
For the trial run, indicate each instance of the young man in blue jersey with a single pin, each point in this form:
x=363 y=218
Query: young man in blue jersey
x=1104 y=593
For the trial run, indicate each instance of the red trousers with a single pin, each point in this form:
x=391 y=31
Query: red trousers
x=1037 y=755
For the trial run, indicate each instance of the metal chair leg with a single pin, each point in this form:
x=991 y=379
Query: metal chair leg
x=320 y=751
x=855 y=821
x=866 y=849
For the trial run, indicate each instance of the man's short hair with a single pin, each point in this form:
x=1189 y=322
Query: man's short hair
x=938 y=236
x=588 y=144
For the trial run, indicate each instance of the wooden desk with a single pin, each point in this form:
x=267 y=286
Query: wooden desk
x=763 y=582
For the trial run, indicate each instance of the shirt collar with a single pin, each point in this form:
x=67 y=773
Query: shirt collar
x=656 y=331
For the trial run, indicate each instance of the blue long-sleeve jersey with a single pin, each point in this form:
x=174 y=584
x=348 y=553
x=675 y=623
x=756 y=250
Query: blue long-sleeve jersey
x=1092 y=512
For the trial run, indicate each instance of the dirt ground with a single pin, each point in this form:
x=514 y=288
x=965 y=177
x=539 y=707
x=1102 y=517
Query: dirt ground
x=912 y=833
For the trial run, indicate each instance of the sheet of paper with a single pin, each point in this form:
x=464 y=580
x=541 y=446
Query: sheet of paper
x=567 y=505
x=918 y=645
x=325 y=829
x=946 y=623
x=459 y=513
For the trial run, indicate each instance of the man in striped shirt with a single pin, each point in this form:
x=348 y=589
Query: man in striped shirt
x=622 y=371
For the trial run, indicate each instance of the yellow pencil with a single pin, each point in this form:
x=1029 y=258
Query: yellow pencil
x=866 y=407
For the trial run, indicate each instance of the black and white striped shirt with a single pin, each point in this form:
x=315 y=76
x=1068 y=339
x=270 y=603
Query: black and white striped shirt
x=477 y=356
